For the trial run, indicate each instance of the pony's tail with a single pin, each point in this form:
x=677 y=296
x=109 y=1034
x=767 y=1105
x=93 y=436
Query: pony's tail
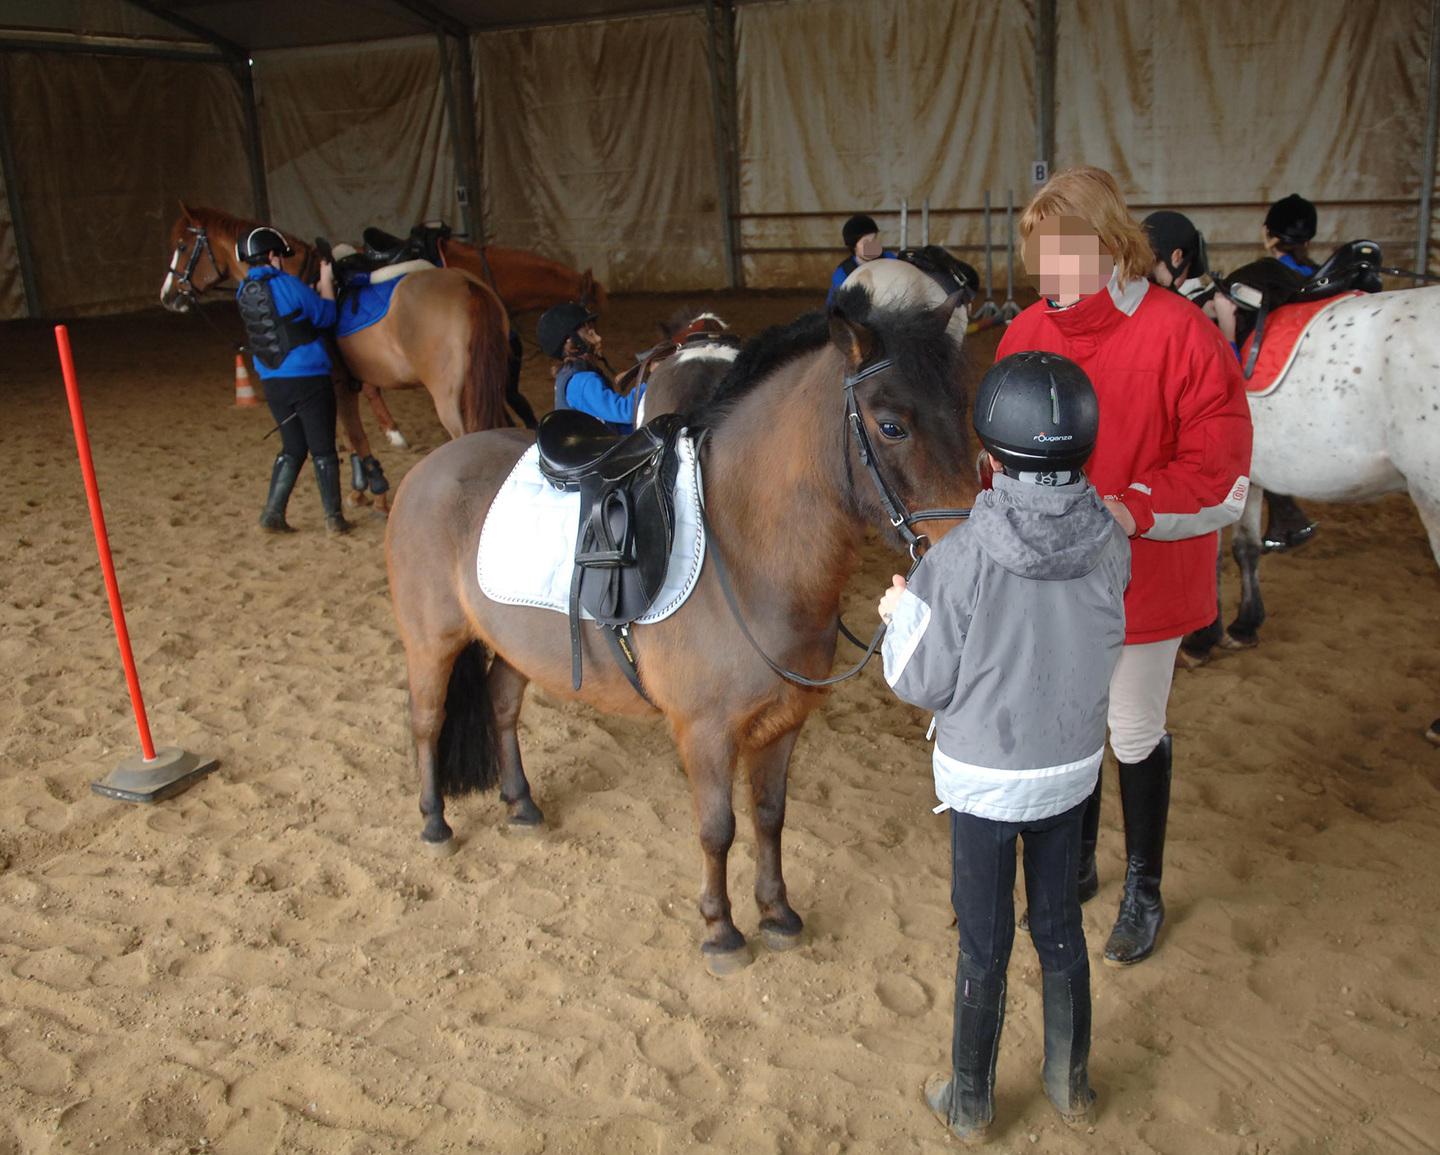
x=482 y=402
x=465 y=756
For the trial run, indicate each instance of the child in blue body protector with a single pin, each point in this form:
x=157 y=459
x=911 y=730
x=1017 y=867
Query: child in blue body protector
x=567 y=333
x=862 y=237
x=1008 y=632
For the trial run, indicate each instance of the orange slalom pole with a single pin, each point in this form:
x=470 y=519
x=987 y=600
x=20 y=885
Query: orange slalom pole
x=155 y=775
x=102 y=539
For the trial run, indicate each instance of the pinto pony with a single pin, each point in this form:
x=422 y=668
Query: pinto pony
x=816 y=434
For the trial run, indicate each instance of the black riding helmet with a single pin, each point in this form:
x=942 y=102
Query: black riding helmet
x=1291 y=220
x=1037 y=413
x=255 y=247
x=1169 y=231
x=856 y=227
x=559 y=324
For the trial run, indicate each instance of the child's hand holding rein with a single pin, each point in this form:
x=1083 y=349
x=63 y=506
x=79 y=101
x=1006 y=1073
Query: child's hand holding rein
x=891 y=599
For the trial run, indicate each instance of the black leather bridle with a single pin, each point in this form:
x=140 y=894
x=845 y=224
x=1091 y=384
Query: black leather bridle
x=202 y=242
x=901 y=519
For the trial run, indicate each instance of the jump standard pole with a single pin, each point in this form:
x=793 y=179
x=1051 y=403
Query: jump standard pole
x=153 y=775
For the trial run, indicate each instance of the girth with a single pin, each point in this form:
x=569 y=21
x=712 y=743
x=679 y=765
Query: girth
x=627 y=521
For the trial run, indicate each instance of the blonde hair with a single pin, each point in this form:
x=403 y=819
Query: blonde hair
x=1092 y=195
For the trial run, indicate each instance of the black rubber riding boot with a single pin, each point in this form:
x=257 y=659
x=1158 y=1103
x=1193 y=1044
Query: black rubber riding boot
x=1067 y=1042
x=282 y=481
x=1088 y=878
x=1287 y=527
x=1145 y=796
x=327 y=477
x=965 y=1102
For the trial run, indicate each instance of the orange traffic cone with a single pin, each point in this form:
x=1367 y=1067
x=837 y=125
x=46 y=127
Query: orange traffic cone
x=244 y=391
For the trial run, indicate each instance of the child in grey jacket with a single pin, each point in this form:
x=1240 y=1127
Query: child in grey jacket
x=1008 y=633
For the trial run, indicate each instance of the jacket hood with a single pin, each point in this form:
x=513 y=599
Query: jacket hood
x=1042 y=532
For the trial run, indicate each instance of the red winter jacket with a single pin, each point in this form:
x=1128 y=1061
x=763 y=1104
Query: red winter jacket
x=1174 y=438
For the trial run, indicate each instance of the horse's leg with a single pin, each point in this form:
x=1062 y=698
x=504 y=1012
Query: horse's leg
x=507 y=692
x=1195 y=649
x=357 y=441
x=1244 y=630
x=708 y=751
x=769 y=768
x=429 y=670
x=1428 y=503
x=383 y=415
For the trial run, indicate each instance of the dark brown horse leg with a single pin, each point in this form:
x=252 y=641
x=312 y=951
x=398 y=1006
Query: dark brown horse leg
x=347 y=407
x=769 y=768
x=507 y=693
x=429 y=672
x=709 y=756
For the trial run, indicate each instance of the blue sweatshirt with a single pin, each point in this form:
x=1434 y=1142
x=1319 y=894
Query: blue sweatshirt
x=586 y=390
x=843 y=270
x=1291 y=263
x=289 y=294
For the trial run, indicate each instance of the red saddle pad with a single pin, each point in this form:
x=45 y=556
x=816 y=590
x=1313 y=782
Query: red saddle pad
x=1283 y=330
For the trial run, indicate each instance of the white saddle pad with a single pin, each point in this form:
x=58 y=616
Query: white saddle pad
x=527 y=546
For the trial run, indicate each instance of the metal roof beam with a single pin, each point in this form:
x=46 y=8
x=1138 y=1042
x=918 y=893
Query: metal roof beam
x=436 y=17
x=186 y=25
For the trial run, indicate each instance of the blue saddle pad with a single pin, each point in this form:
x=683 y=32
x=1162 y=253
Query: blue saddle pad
x=363 y=306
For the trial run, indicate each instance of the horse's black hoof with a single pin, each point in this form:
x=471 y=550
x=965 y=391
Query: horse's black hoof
x=525 y=813
x=778 y=939
x=1433 y=734
x=1191 y=659
x=724 y=963
x=442 y=849
x=1294 y=539
x=1240 y=640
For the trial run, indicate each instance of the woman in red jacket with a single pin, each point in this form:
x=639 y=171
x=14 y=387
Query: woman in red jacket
x=1171 y=463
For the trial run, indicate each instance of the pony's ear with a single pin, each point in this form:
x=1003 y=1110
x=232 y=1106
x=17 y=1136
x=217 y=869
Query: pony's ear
x=185 y=211
x=587 y=288
x=851 y=338
x=954 y=301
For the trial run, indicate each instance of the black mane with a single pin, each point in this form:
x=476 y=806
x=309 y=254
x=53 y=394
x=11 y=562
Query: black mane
x=760 y=357
x=924 y=355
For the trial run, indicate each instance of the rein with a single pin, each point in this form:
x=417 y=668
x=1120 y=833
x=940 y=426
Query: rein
x=900 y=518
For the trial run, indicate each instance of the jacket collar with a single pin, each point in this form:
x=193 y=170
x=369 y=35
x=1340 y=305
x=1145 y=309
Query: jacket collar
x=1097 y=314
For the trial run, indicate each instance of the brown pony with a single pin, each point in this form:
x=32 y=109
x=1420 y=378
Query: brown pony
x=522 y=279
x=444 y=329
x=789 y=498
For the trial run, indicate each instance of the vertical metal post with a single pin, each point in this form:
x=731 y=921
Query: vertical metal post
x=1045 y=41
x=457 y=132
x=718 y=31
x=925 y=222
x=23 y=252
x=472 y=143
x=259 y=190
x=1427 y=162
x=904 y=222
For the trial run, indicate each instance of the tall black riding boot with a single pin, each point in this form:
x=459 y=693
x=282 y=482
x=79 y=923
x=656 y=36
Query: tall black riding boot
x=327 y=477
x=282 y=481
x=1145 y=796
x=965 y=1102
x=1089 y=837
x=1067 y=1041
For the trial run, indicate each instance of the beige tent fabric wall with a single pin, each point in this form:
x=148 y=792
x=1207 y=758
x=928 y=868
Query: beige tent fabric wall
x=104 y=149
x=850 y=105
x=598 y=149
x=1236 y=103
x=12 y=291
x=356 y=135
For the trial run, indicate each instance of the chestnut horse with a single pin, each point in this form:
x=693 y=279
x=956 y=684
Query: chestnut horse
x=821 y=430
x=522 y=279
x=444 y=329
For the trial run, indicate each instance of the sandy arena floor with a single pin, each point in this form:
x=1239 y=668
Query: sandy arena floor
x=270 y=964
